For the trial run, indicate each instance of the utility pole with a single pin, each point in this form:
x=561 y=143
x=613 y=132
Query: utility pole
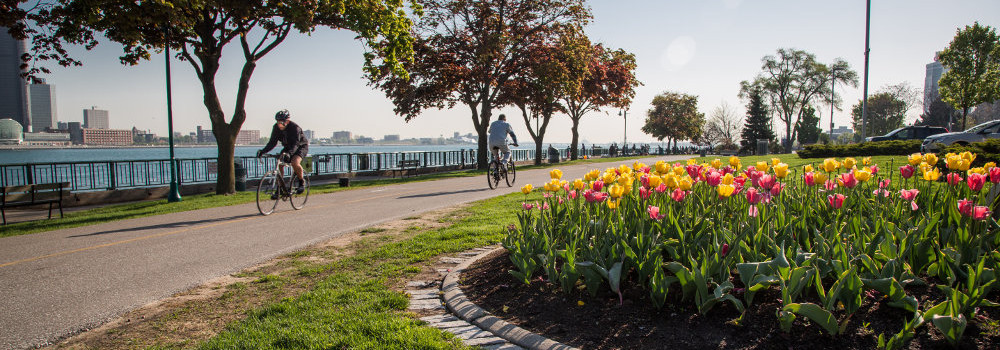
x=175 y=193
x=864 y=101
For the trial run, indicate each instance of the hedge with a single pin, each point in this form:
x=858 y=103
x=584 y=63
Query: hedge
x=879 y=148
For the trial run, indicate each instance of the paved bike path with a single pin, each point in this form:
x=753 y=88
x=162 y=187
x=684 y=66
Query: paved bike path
x=58 y=283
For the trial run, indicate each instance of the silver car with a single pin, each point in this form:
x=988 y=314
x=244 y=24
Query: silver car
x=978 y=133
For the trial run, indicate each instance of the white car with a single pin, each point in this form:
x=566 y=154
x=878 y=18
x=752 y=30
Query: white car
x=978 y=133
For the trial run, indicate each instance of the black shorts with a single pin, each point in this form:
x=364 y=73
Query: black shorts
x=301 y=152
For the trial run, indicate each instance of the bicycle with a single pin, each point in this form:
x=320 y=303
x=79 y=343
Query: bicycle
x=276 y=186
x=496 y=170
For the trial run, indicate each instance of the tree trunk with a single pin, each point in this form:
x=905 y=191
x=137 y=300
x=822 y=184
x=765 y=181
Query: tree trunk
x=788 y=137
x=482 y=124
x=965 y=114
x=226 y=144
x=576 y=139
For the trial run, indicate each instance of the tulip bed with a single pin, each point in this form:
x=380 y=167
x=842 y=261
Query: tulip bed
x=828 y=236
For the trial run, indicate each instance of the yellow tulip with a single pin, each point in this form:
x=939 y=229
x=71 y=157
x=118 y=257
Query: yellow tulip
x=931 y=158
x=671 y=181
x=527 y=188
x=964 y=165
x=655 y=181
x=679 y=170
x=685 y=183
x=624 y=169
x=808 y=168
x=932 y=175
x=727 y=179
x=555 y=174
x=781 y=170
x=775 y=161
x=968 y=156
x=725 y=190
x=592 y=175
x=849 y=163
x=819 y=178
x=624 y=180
x=692 y=161
x=662 y=167
x=866 y=160
x=762 y=166
x=830 y=165
x=638 y=166
x=863 y=174
x=616 y=191
x=613 y=204
x=989 y=165
x=717 y=163
x=915 y=159
x=734 y=161
x=609 y=178
x=952 y=161
x=981 y=171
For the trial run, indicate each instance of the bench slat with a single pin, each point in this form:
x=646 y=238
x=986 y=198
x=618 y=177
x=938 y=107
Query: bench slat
x=16 y=189
x=51 y=186
x=12 y=198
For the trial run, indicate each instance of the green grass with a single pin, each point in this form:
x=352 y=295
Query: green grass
x=353 y=308
x=202 y=201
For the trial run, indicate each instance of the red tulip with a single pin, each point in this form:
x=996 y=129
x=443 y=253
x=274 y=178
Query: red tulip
x=644 y=180
x=572 y=194
x=980 y=212
x=678 y=195
x=829 y=185
x=643 y=192
x=884 y=183
x=776 y=189
x=713 y=178
x=994 y=174
x=725 y=249
x=847 y=180
x=766 y=182
x=694 y=171
x=754 y=196
x=909 y=195
x=976 y=181
x=661 y=188
x=810 y=180
x=836 y=200
x=965 y=207
x=954 y=179
x=907 y=171
x=597 y=185
x=526 y=206
x=654 y=212
x=874 y=169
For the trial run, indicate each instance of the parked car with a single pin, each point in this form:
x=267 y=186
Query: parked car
x=978 y=133
x=910 y=133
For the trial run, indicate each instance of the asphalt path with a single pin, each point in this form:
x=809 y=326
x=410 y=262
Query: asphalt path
x=58 y=283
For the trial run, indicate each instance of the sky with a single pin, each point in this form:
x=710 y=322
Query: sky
x=702 y=48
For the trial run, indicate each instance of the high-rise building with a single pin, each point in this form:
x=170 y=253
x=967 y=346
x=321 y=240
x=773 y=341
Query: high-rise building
x=248 y=137
x=13 y=89
x=390 y=138
x=94 y=118
x=204 y=135
x=342 y=136
x=43 y=106
x=309 y=134
x=933 y=75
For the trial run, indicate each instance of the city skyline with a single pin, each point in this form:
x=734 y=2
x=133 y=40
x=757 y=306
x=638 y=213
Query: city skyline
x=704 y=49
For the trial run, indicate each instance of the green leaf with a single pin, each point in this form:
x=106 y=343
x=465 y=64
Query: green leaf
x=815 y=313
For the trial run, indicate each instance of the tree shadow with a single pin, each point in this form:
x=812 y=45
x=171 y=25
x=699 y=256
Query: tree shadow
x=435 y=194
x=166 y=225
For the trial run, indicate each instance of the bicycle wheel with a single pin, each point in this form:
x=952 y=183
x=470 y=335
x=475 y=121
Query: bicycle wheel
x=511 y=174
x=268 y=193
x=493 y=174
x=299 y=199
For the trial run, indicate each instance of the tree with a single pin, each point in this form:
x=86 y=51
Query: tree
x=808 y=126
x=791 y=80
x=466 y=51
x=546 y=75
x=886 y=112
x=938 y=113
x=201 y=30
x=674 y=116
x=972 y=59
x=758 y=126
x=608 y=81
x=727 y=122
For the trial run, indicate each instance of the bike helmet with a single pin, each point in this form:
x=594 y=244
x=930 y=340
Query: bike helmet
x=282 y=115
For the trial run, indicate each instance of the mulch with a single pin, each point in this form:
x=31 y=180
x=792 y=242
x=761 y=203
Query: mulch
x=604 y=323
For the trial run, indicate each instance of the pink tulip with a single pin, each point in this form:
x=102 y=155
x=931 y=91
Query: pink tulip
x=644 y=180
x=713 y=178
x=809 y=178
x=766 y=182
x=678 y=195
x=572 y=194
x=954 y=179
x=597 y=186
x=881 y=191
x=836 y=200
x=654 y=212
x=754 y=196
x=829 y=185
x=739 y=181
x=965 y=207
x=980 y=212
x=643 y=192
x=546 y=195
x=907 y=171
x=560 y=200
x=884 y=183
x=909 y=195
x=753 y=211
x=545 y=206
x=725 y=249
x=526 y=206
x=727 y=170
x=661 y=188
x=976 y=181
x=874 y=169
x=848 y=180
x=994 y=174
x=776 y=189
x=646 y=169
x=694 y=171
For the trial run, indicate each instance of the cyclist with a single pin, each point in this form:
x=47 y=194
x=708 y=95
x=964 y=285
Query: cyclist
x=295 y=144
x=498 y=138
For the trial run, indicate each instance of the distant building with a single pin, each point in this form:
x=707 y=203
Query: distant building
x=391 y=138
x=310 y=135
x=934 y=71
x=11 y=132
x=106 y=137
x=248 y=137
x=47 y=138
x=203 y=135
x=13 y=89
x=94 y=118
x=342 y=136
x=75 y=132
x=842 y=130
x=365 y=139
x=62 y=126
x=43 y=106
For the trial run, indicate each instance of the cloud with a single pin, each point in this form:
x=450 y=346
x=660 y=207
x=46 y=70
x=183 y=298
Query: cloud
x=679 y=53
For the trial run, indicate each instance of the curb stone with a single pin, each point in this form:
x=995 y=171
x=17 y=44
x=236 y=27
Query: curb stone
x=466 y=320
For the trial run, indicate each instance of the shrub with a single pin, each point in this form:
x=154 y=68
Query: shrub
x=880 y=148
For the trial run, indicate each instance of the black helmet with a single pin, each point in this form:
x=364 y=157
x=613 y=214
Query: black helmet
x=282 y=115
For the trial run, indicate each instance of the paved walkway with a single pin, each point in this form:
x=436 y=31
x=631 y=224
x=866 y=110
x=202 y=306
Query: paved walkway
x=62 y=282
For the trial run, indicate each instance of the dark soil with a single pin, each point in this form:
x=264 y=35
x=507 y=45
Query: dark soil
x=601 y=323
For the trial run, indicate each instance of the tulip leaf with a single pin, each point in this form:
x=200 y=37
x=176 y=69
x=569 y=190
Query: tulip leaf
x=815 y=313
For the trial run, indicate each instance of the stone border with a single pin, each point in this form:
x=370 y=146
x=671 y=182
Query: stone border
x=460 y=306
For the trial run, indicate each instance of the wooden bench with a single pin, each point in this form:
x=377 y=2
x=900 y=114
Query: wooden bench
x=25 y=195
x=406 y=164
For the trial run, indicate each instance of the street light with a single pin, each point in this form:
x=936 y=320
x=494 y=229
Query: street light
x=175 y=193
x=833 y=84
x=864 y=100
x=624 y=114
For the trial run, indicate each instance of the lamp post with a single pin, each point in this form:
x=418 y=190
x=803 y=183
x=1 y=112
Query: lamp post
x=175 y=193
x=864 y=101
x=624 y=114
x=833 y=84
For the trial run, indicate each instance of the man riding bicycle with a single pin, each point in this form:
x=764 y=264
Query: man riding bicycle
x=498 y=138
x=294 y=143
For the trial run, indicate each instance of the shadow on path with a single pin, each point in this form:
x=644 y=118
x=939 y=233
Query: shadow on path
x=168 y=225
x=435 y=194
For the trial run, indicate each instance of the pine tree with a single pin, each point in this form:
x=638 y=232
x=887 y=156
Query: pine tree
x=758 y=125
x=808 y=129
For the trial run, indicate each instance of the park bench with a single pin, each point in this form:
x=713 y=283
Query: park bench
x=38 y=194
x=727 y=153
x=406 y=164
